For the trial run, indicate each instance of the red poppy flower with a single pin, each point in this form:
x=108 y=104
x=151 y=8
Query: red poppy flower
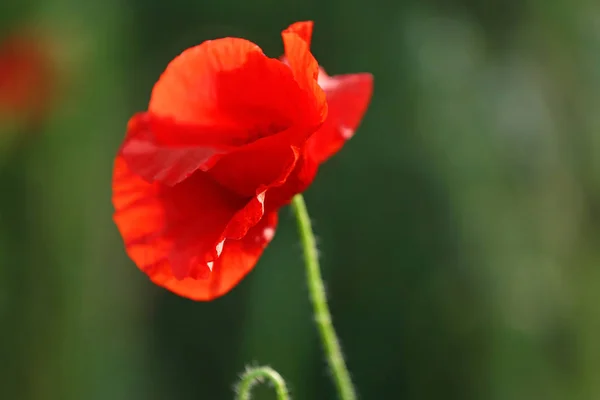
x=230 y=136
x=25 y=77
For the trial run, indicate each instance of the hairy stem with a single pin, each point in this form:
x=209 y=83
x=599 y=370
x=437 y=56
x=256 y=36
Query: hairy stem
x=256 y=375
x=331 y=344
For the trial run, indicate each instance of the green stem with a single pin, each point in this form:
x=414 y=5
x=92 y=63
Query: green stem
x=316 y=288
x=256 y=375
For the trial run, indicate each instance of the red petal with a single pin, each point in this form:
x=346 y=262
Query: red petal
x=169 y=165
x=348 y=97
x=261 y=165
x=305 y=69
x=297 y=182
x=140 y=217
x=303 y=29
x=213 y=98
x=181 y=226
x=237 y=259
x=228 y=83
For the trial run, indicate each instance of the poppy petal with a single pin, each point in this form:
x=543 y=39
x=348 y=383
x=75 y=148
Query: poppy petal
x=180 y=226
x=237 y=259
x=139 y=216
x=201 y=236
x=303 y=29
x=297 y=182
x=261 y=165
x=348 y=97
x=170 y=165
x=305 y=69
x=228 y=83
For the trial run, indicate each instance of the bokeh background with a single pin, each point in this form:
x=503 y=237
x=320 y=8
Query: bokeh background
x=459 y=229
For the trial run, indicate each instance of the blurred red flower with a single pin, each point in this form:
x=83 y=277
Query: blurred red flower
x=230 y=136
x=25 y=78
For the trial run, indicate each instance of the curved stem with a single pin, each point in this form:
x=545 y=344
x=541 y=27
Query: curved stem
x=256 y=375
x=316 y=288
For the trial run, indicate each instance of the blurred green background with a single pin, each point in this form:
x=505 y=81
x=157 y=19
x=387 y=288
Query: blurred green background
x=459 y=229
